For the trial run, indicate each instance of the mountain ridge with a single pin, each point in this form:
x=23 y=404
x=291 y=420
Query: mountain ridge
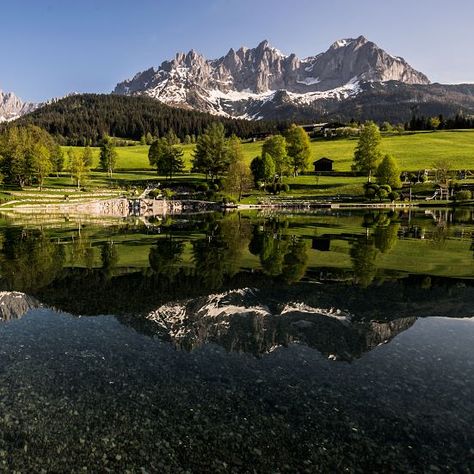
x=233 y=84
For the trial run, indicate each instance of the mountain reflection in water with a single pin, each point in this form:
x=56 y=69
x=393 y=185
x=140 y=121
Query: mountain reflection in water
x=258 y=303
x=250 y=283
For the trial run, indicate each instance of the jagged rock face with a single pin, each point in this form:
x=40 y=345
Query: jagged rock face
x=242 y=81
x=11 y=107
x=242 y=321
x=14 y=305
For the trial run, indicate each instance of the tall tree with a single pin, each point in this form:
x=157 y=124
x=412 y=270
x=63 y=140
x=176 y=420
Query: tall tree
x=57 y=160
x=298 y=148
x=276 y=147
x=367 y=153
x=239 y=177
x=77 y=166
x=167 y=158
x=211 y=155
x=108 y=156
x=388 y=172
x=263 y=169
x=234 y=149
x=42 y=165
x=88 y=157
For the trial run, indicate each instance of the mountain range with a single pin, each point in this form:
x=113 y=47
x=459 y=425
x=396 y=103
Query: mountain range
x=353 y=79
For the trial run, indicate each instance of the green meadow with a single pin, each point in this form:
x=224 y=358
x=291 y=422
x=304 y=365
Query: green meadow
x=414 y=151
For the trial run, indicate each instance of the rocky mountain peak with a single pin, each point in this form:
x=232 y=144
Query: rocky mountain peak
x=12 y=107
x=231 y=84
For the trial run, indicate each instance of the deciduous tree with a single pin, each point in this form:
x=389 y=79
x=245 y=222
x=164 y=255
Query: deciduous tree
x=276 y=147
x=298 y=148
x=263 y=169
x=167 y=158
x=108 y=156
x=42 y=165
x=367 y=153
x=388 y=172
x=77 y=166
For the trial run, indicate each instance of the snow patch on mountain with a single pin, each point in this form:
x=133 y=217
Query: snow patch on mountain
x=245 y=82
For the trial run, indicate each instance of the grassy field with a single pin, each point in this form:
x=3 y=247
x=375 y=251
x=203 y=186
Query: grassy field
x=413 y=151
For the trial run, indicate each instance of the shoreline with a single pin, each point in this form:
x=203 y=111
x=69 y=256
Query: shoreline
x=123 y=207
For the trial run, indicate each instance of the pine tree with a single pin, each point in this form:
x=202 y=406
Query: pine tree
x=211 y=155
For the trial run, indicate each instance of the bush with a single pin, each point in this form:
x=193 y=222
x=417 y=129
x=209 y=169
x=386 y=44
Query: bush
x=227 y=199
x=463 y=195
x=167 y=193
x=393 y=196
x=202 y=187
x=371 y=190
x=285 y=188
x=154 y=193
x=382 y=194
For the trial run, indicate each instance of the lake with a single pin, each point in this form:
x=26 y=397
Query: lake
x=241 y=342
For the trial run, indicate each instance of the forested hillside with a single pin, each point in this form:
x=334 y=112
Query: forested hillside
x=86 y=118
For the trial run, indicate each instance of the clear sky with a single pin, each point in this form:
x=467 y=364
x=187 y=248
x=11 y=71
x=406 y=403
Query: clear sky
x=52 y=47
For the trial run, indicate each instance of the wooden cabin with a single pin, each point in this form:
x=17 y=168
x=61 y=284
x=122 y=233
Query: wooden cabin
x=323 y=164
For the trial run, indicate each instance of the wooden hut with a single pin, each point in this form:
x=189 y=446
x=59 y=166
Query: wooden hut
x=323 y=164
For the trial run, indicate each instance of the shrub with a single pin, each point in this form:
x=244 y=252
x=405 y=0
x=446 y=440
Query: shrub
x=154 y=193
x=168 y=193
x=371 y=190
x=393 y=196
x=463 y=195
x=227 y=199
x=202 y=187
x=285 y=188
x=382 y=193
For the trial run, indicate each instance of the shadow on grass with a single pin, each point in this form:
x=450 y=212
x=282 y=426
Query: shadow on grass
x=314 y=187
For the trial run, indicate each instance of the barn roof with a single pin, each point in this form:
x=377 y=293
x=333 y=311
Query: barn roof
x=323 y=159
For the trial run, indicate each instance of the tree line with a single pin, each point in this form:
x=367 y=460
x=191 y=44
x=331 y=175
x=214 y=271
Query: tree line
x=218 y=156
x=439 y=122
x=29 y=154
x=84 y=119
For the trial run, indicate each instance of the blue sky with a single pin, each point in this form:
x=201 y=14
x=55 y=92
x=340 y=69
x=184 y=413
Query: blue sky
x=50 y=48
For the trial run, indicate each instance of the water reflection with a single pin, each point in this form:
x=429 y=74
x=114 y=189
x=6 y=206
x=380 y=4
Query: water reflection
x=260 y=306
x=213 y=252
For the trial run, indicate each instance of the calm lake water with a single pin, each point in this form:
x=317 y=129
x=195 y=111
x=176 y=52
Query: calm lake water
x=252 y=342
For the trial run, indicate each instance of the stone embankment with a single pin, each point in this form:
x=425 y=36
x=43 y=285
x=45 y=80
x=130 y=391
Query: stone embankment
x=115 y=207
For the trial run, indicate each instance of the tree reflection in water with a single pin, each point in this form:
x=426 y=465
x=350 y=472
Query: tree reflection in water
x=132 y=267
